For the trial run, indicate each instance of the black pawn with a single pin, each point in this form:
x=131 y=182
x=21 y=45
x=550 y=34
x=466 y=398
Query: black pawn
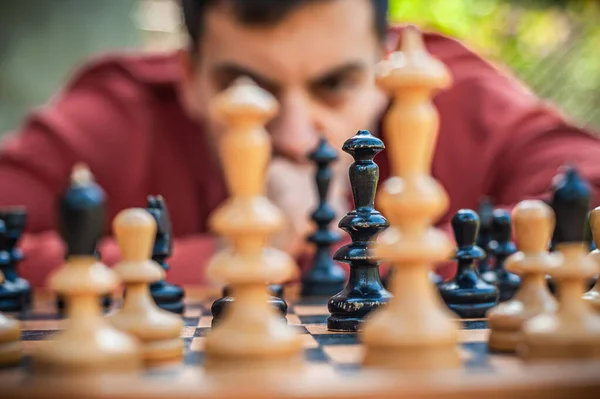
x=502 y=247
x=219 y=306
x=325 y=277
x=364 y=291
x=166 y=295
x=15 y=220
x=81 y=213
x=590 y=245
x=467 y=294
x=276 y=290
x=11 y=298
x=486 y=217
x=571 y=204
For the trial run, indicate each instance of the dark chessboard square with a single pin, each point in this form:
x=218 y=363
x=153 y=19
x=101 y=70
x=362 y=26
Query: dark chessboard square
x=316 y=300
x=337 y=339
x=478 y=355
x=348 y=368
x=315 y=355
x=475 y=324
x=191 y=321
x=38 y=316
x=201 y=332
x=193 y=358
x=36 y=335
x=314 y=319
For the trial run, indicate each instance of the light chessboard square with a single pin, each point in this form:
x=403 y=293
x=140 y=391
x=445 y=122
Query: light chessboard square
x=310 y=310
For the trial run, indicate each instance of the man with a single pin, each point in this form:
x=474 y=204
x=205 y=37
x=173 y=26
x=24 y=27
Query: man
x=141 y=123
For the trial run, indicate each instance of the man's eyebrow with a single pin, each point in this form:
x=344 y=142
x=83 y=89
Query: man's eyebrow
x=232 y=69
x=350 y=67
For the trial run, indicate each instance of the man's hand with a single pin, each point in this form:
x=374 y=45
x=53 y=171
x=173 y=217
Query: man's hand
x=292 y=188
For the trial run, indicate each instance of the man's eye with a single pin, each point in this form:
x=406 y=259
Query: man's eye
x=335 y=89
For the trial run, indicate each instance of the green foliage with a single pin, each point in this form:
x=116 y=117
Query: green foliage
x=549 y=44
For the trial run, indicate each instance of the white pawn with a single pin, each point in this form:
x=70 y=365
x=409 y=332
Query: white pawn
x=534 y=223
x=158 y=330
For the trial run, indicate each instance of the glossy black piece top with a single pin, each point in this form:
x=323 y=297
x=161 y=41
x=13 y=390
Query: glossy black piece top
x=163 y=243
x=570 y=202
x=81 y=217
x=465 y=224
x=502 y=244
x=4 y=247
x=364 y=222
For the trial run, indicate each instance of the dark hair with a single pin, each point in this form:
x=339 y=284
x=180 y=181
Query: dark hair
x=261 y=12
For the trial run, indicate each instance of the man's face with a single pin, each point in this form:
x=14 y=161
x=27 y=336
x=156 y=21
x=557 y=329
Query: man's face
x=318 y=62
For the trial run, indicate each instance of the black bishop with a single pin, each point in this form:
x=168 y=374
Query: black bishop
x=364 y=291
x=325 y=277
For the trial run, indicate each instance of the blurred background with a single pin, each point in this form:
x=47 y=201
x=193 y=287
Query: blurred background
x=552 y=45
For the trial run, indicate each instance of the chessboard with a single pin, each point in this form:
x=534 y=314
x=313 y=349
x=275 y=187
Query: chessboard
x=332 y=366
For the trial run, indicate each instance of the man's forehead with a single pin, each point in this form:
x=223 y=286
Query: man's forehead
x=313 y=40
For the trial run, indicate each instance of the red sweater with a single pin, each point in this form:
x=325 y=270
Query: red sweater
x=121 y=115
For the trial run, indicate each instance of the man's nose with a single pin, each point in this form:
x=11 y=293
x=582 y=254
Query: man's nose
x=294 y=131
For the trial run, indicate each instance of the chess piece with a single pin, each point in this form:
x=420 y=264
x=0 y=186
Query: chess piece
x=573 y=331
x=11 y=299
x=105 y=300
x=166 y=295
x=415 y=330
x=325 y=277
x=467 y=294
x=88 y=343
x=276 y=290
x=593 y=295
x=364 y=291
x=591 y=246
x=156 y=329
x=250 y=334
x=16 y=292
x=534 y=224
x=502 y=247
x=11 y=347
x=486 y=217
x=435 y=278
x=218 y=307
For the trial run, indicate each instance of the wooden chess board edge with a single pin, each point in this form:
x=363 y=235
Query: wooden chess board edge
x=559 y=380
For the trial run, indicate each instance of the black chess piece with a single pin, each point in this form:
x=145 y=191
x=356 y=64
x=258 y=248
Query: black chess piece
x=502 y=247
x=467 y=294
x=11 y=298
x=570 y=202
x=81 y=212
x=15 y=220
x=591 y=245
x=571 y=191
x=486 y=217
x=219 y=306
x=166 y=295
x=325 y=277
x=364 y=290
x=276 y=290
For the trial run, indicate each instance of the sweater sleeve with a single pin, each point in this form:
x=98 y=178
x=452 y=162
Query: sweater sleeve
x=98 y=118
